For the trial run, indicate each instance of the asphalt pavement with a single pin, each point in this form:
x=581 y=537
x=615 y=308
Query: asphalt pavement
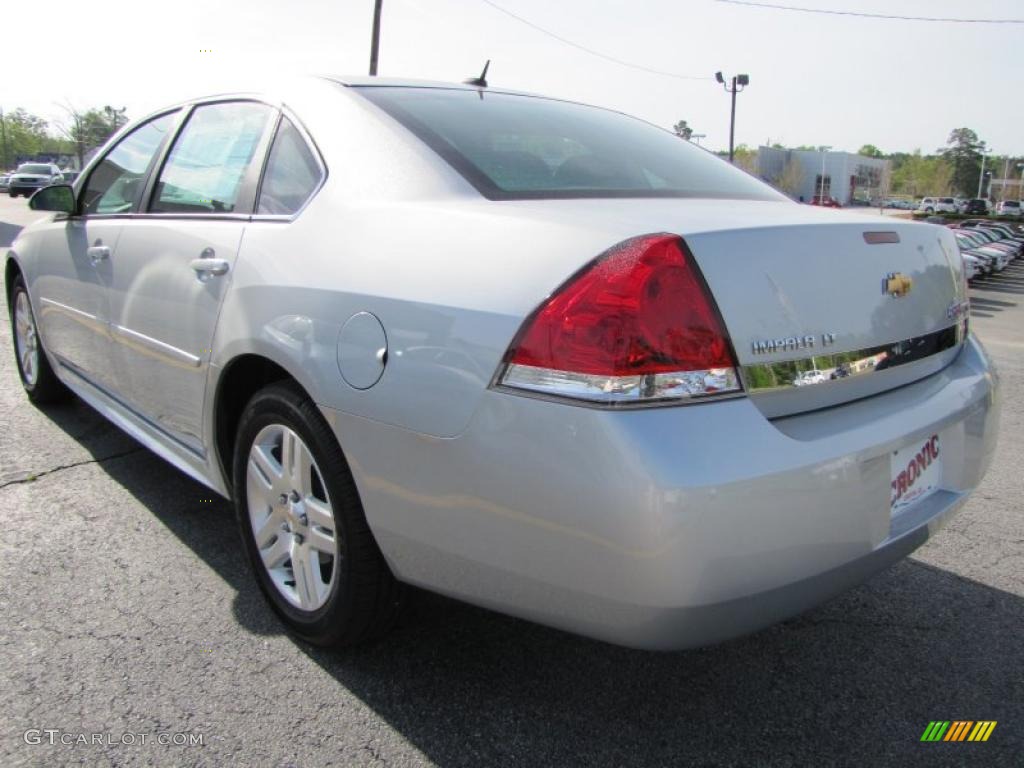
x=130 y=619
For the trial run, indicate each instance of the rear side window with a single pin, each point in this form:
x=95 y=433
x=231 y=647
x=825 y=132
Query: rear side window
x=114 y=184
x=208 y=163
x=519 y=147
x=292 y=174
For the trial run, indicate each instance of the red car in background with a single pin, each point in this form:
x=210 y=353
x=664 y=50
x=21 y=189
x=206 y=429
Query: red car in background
x=827 y=201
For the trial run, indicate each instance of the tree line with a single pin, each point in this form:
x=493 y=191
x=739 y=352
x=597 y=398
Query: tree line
x=23 y=134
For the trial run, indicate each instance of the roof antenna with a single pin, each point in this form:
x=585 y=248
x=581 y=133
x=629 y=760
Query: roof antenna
x=479 y=82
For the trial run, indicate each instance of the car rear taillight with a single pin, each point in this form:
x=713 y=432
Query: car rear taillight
x=636 y=325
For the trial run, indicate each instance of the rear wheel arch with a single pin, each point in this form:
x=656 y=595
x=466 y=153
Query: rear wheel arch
x=11 y=270
x=241 y=378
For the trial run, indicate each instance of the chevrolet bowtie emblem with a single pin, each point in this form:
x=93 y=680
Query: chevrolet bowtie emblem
x=897 y=284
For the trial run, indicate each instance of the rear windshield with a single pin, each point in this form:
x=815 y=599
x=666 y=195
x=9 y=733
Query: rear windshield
x=514 y=147
x=33 y=168
x=1012 y=204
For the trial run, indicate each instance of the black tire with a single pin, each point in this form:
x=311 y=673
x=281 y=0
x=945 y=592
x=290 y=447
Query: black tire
x=365 y=599
x=47 y=388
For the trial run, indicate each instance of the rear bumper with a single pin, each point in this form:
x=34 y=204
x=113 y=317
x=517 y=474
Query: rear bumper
x=667 y=527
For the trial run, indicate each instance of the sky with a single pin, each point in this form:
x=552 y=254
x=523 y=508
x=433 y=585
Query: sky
x=814 y=79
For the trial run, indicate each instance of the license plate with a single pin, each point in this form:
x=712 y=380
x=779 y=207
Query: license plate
x=916 y=473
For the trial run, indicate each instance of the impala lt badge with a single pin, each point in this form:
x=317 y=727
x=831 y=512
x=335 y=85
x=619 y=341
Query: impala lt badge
x=897 y=284
x=791 y=343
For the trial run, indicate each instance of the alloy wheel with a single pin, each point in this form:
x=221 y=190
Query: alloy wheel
x=26 y=339
x=292 y=518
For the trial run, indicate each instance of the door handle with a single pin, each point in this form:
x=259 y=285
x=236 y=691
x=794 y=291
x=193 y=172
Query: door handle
x=97 y=253
x=206 y=268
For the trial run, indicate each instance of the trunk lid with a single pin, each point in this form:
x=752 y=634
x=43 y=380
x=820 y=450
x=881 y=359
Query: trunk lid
x=846 y=298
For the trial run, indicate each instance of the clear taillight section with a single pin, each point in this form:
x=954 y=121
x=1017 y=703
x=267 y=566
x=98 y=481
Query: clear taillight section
x=637 y=325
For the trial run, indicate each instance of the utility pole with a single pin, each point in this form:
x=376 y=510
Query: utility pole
x=981 y=178
x=738 y=83
x=375 y=43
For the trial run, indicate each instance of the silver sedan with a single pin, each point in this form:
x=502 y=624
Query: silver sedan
x=539 y=356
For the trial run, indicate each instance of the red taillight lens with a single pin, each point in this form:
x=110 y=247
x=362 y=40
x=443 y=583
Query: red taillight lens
x=638 y=324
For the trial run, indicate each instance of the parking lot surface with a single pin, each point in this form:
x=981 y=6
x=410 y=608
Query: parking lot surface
x=129 y=612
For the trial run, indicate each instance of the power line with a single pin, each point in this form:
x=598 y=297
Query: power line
x=591 y=51
x=865 y=15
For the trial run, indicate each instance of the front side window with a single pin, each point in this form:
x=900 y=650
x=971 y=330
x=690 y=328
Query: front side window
x=114 y=183
x=207 y=166
x=514 y=147
x=292 y=173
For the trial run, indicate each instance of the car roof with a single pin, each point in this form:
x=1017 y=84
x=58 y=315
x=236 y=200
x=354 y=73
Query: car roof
x=409 y=82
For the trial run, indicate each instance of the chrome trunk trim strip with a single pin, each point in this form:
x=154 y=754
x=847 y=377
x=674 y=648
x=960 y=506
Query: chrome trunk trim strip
x=761 y=377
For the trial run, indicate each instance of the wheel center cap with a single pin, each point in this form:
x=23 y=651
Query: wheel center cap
x=296 y=514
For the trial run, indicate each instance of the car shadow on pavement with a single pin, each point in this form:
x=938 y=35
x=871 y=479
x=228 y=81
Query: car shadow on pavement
x=855 y=681
x=983 y=306
x=1010 y=280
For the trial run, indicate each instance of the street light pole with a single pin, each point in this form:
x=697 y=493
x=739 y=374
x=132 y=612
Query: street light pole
x=738 y=83
x=375 y=42
x=981 y=178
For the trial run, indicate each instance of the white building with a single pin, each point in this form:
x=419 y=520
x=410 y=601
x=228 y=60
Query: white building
x=848 y=178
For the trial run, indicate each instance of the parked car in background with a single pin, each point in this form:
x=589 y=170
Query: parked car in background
x=1009 y=208
x=975 y=206
x=993 y=235
x=937 y=205
x=415 y=346
x=809 y=377
x=985 y=245
x=972 y=265
x=5 y=181
x=827 y=201
x=32 y=176
x=900 y=203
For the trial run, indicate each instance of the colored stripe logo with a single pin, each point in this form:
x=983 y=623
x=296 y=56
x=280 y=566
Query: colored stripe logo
x=958 y=730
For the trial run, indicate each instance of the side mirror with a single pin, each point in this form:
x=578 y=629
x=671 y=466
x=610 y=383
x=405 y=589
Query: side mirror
x=59 y=198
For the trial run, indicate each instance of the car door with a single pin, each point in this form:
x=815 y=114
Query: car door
x=173 y=262
x=74 y=257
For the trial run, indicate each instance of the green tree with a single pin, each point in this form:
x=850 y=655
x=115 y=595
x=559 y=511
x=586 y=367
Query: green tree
x=870 y=150
x=683 y=130
x=963 y=152
x=920 y=175
x=746 y=158
x=91 y=128
x=23 y=134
